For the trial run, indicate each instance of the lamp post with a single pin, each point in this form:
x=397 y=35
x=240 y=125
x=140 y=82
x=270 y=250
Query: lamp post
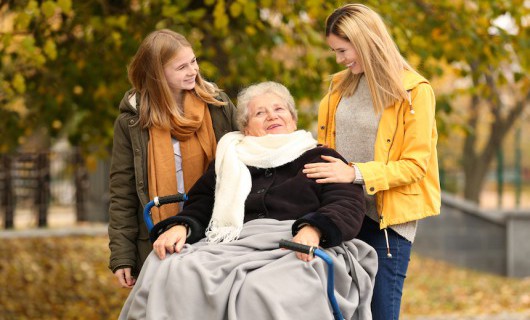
x=500 y=176
x=518 y=171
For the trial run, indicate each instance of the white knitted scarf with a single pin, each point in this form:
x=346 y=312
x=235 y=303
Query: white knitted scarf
x=235 y=152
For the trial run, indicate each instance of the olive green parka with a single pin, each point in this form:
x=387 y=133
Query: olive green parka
x=128 y=236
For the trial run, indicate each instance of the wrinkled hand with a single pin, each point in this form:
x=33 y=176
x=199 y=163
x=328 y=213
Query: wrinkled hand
x=170 y=241
x=125 y=278
x=335 y=170
x=310 y=236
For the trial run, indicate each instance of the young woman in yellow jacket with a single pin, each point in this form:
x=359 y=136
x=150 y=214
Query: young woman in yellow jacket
x=380 y=115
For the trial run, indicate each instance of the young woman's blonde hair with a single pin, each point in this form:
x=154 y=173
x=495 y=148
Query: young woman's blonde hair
x=377 y=53
x=146 y=74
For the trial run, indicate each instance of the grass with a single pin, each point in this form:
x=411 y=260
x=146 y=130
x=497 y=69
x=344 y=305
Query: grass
x=435 y=288
x=68 y=278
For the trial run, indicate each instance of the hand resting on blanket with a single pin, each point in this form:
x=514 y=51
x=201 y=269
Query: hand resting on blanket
x=173 y=240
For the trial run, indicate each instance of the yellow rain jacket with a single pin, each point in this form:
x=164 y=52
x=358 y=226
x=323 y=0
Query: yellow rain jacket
x=404 y=173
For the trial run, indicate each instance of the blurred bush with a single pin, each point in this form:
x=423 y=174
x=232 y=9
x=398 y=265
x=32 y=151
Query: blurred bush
x=58 y=278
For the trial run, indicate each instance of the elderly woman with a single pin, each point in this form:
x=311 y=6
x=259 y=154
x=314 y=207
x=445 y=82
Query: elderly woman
x=253 y=195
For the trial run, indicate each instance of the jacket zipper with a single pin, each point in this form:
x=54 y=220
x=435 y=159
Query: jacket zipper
x=330 y=90
x=381 y=218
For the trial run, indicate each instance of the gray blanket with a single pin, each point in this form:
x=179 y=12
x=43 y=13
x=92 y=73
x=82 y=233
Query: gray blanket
x=252 y=279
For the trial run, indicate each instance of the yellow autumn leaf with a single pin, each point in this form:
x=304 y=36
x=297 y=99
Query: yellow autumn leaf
x=220 y=17
x=19 y=83
x=436 y=33
x=50 y=49
x=250 y=11
x=250 y=30
x=48 y=8
x=78 y=90
x=57 y=124
x=235 y=9
x=22 y=21
x=65 y=5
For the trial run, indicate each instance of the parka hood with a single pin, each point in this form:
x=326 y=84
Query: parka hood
x=129 y=103
x=411 y=79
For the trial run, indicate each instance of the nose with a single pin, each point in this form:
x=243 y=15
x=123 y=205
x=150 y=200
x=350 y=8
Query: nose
x=191 y=70
x=271 y=115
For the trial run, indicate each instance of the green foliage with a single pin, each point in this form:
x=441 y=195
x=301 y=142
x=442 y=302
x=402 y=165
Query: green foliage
x=63 y=63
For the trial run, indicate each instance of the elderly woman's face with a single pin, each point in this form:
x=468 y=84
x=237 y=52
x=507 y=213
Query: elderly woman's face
x=268 y=114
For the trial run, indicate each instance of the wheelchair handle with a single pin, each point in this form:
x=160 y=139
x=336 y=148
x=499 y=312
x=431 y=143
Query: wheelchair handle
x=179 y=197
x=159 y=201
x=286 y=244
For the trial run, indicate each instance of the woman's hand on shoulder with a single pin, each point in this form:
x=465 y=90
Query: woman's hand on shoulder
x=332 y=171
x=170 y=241
x=310 y=236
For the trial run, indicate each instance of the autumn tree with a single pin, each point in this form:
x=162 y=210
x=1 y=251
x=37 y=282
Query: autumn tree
x=483 y=48
x=63 y=63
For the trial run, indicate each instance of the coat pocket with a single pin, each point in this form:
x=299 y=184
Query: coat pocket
x=412 y=189
x=406 y=201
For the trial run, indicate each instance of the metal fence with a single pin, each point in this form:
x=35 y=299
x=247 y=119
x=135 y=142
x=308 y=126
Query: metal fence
x=36 y=181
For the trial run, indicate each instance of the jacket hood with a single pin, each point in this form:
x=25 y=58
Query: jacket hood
x=411 y=79
x=128 y=102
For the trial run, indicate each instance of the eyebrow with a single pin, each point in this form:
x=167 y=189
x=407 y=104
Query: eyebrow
x=185 y=63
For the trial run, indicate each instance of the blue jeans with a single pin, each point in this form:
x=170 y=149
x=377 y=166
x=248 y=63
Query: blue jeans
x=391 y=273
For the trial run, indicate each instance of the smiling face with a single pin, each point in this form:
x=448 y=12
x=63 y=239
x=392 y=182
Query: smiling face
x=269 y=114
x=181 y=71
x=345 y=53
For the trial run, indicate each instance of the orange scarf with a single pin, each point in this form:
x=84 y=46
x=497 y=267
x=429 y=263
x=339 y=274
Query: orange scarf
x=197 y=147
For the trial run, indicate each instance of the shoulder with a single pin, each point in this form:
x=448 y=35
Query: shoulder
x=314 y=155
x=227 y=108
x=214 y=89
x=130 y=102
x=339 y=77
x=222 y=96
x=129 y=114
x=219 y=94
x=412 y=80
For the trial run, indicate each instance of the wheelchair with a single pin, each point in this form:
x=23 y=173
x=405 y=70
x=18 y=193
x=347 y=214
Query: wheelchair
x=286 y=244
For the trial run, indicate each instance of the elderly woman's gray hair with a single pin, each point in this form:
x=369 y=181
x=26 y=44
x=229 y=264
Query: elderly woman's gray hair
x=246 y=95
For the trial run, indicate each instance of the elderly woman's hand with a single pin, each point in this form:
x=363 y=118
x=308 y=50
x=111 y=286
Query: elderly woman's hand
x=170 y=241
x=310 y=236
x=333 y=171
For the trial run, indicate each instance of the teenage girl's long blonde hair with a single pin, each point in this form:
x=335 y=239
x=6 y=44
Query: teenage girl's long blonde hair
x=378 y=54
x=146 y=74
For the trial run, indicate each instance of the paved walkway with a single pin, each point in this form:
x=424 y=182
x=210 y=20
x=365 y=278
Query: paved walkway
x=61 y=222
x=502 y=316
x=81 y=230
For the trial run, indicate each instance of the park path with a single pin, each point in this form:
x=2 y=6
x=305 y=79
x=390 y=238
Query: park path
x=501 y=316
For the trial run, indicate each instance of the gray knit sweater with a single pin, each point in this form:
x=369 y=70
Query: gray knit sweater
x=356 y=130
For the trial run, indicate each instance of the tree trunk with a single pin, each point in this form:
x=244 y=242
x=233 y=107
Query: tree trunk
x=476 y=163
x=475 y=174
